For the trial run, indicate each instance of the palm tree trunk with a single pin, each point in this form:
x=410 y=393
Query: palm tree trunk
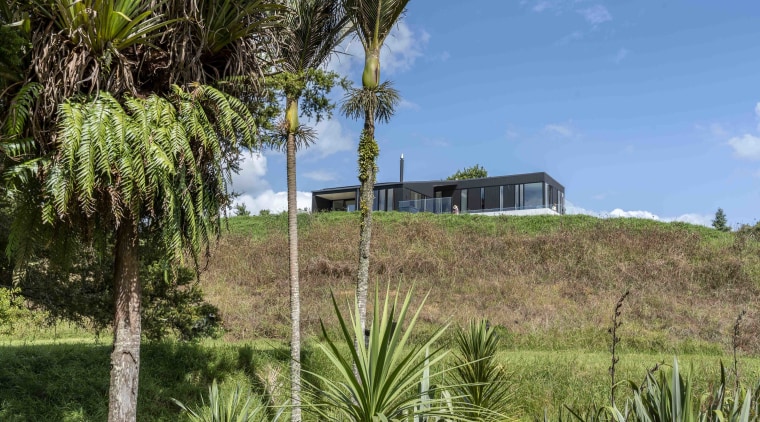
x=125 y=357
x=368 y=151
x=295 y=298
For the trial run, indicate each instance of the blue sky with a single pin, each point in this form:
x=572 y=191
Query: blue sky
x=639 y=108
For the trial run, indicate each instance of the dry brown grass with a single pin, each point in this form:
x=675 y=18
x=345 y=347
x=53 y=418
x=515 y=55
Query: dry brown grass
x=551 y=282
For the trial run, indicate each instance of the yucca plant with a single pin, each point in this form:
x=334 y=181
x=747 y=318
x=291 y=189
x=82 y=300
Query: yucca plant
x=232 y=406
x=669 y=397
x=389 y=367
x=480 y=384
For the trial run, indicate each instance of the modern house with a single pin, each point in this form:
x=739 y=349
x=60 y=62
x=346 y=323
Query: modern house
x=520 y=194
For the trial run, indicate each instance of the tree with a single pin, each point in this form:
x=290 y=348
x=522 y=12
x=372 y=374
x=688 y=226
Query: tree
x=313 y=29
x=474 y=172
x=720 y=222
x=241 y=210
x=372 y=21
x=115 y=129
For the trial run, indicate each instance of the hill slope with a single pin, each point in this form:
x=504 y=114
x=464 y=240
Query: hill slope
x=550 y=282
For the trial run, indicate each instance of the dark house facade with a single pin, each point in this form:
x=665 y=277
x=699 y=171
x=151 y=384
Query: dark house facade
x=532 y=193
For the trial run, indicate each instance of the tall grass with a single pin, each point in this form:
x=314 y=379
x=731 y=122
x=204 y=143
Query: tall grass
x=544 y=282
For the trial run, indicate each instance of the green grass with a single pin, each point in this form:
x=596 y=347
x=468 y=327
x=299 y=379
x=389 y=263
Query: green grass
x=548 y=283
x=69 y=382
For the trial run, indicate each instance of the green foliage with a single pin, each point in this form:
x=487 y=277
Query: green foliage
x=480 y=383
x=228 y=407
x=139 y=160
x=227 y=21
x=368 y=152
x=73 y=282
x=380 y=102
x=310 y=87
x=720 y=222
x=241 y=210
x=11 y=309
x=474 y=172
x=105 y=27
x=388 y=367
x=373 y=20
x=669 y=397
x=172 y=304
x=12 y=51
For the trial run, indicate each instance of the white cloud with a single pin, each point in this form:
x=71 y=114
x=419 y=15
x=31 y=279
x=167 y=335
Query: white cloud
x=717 y=130
x=747 y=146
x=621 y=55
x=275 y=202
x=617 y=212
x=558 y=129
x=541 y=6
x=401 y=49
x=250 y=179
x=320 y=175
x=596 y=14
x=408 y=105
x=692 y=218
x=331 y=138
x=567 y=39
x=699 y=219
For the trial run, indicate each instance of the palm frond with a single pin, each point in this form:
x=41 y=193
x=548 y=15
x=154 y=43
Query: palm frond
x=305 y=137
x=383 y=99
x=373 y=20
x=313 y=29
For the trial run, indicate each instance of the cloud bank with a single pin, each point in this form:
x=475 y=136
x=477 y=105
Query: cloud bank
x=692 y=218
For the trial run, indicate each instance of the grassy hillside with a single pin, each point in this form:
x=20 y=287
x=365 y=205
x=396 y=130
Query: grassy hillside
x=550 y=282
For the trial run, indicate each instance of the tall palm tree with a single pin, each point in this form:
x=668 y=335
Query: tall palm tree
x=115 y=131
x=372 y=21
x=314 y=28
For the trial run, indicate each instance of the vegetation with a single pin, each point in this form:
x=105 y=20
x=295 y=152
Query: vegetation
x=119 y=124
x=720 y=222
x=544 y=282
x=480 y=382
x=371 y=22
x=313 y=30
x=388 y=365
x=241 y=210
x=228 y=408
x=474 y=172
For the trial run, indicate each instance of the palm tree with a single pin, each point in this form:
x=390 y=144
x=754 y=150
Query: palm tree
x=372 y=21
x=115 y=131
x=314 y=28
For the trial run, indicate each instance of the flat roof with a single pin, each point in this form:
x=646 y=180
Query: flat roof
x=459 y=184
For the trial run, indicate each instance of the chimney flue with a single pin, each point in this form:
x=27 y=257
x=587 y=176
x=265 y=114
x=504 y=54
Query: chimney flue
x=401 y=170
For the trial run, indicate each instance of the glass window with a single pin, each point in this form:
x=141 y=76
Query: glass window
x=381 y=200
x=509 y=197
x=474 y=199
x=374 y=200
x=390 y=203
x=533 y=195
x=519 y=197
x=492 y=198
x=464 y=200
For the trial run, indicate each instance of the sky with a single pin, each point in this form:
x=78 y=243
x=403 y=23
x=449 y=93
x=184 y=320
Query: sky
x=645 y=108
